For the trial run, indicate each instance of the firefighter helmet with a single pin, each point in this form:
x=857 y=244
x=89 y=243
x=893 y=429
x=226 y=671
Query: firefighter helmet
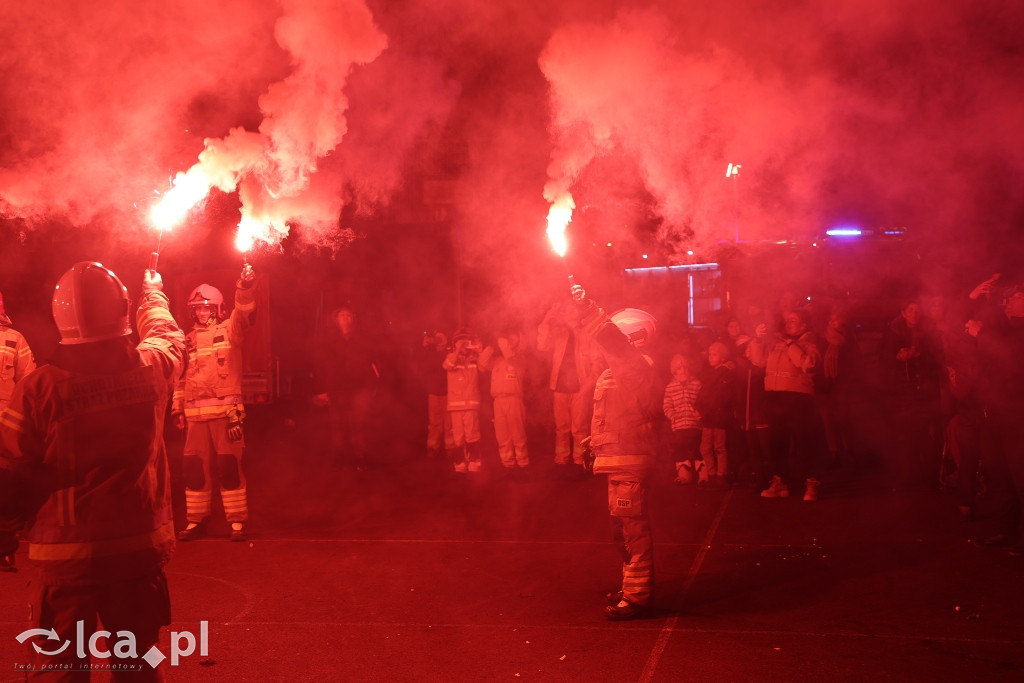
x=206 y=295
x=90 y=304
x=638 y=326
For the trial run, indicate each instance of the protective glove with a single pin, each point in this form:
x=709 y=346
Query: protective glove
x=579 y=294
x=247 y=277
x=151 y=281
x=588 y=455
x=236 y=416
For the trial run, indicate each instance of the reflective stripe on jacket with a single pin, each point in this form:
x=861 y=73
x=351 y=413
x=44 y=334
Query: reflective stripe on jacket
x=212 y=382
x=16 y=360
x=463 y=382
x=83 y=463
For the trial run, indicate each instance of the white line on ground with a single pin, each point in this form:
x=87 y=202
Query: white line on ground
x=666 y=632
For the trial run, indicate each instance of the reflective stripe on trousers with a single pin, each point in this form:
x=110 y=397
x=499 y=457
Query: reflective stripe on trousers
x=631 y=532
x=235 y=502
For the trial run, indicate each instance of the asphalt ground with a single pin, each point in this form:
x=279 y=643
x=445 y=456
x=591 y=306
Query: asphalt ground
x=405 y=572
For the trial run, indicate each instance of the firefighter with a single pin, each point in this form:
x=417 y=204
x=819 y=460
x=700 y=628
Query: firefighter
x=508 y=372
x=464 y=401
x=622 y=440
x=208 y=400
x=83 y=469
x=16 y=359
x=575 y=367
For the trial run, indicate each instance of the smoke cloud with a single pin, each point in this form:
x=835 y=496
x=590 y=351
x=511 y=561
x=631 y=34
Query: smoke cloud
x=103 y=106
x=871 y=112
x=877 y=113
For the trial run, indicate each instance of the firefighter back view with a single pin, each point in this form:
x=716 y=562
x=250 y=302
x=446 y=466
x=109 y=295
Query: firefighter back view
x=208 y=401
x=623 y=440
x=84 y=475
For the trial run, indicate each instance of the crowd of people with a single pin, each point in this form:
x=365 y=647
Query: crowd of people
x=779 y=401
x=771 y=401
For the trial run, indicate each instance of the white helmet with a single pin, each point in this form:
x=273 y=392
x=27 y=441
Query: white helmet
x=638 y=326
x=90 y=304
x=206 y=295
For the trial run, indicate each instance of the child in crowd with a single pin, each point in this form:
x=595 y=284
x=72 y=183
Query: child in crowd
x=716 y=404
x=680 y=409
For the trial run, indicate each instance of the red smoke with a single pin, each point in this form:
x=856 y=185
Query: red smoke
x=884 y=112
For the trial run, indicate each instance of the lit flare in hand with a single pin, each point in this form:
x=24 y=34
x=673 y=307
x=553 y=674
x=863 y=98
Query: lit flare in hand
x=249 y=230
x=188 y=189
x=559 y=217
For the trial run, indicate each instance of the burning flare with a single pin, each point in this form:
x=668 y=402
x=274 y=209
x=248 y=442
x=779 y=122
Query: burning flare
x=188 y=190
x=250 y=230
x=559 y=217
x=304 y=120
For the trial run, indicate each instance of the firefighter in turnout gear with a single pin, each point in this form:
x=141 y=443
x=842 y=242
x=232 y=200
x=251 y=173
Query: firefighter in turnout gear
x=84 y=474
x=16 y=360
x=623 y=440
x=208 y=400
x=464 y=401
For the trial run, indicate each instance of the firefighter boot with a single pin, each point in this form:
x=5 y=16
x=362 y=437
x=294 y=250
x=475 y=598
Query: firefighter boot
x=457 y=456
x=239 y=532
x=473 y=456
x=193 y=531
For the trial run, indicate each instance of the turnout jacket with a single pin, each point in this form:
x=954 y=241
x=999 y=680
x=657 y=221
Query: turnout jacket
x=789 y=363
x=212 y=382
x=16 y=359
x=622 y=431
x=83 y=465
x=463 y=381
x=507 y=372
x=587 y=362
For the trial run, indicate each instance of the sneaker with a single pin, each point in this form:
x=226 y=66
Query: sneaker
x=474 y=465
x=811 y=492
x=689 y=472
x=776 y=489
x=623 y=611
x=238 y=532
x=461 y=467
x=192 y=532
